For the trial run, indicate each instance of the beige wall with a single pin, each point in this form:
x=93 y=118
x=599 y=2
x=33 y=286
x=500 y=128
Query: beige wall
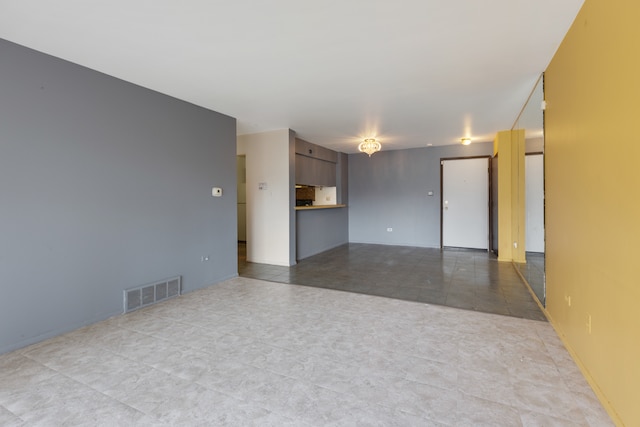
x=592 y=172
x=269 y=196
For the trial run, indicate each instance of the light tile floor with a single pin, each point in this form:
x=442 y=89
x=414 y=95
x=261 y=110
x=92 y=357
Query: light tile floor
x=250 y=352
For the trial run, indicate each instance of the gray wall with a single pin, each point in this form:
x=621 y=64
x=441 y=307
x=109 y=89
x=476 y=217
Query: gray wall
x=319 y=230
x=389 y=190
x=342 y=179
x=104 y=186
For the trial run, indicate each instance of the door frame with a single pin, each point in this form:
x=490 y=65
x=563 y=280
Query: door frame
x=490 y=198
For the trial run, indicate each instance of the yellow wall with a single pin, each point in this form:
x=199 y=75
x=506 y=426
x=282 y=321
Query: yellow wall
x=592 y=190
x=509 y=147
x=517 y=195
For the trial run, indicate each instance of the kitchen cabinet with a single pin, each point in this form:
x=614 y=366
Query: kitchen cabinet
x=316 y=172
x=315 y=165
x=308 y=149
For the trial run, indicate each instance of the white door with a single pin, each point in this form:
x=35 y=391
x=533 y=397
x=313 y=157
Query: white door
x=465 y=203
x=534 y=189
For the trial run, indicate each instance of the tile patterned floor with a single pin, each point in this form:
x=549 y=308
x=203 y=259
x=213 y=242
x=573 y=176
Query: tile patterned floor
x=461 y=278
x=250 y=352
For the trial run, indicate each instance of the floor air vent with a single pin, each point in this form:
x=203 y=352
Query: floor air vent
x=143 y=296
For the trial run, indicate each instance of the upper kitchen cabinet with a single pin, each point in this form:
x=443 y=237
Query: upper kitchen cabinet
x=308 y=149
x=315 y=165
x=315 y=172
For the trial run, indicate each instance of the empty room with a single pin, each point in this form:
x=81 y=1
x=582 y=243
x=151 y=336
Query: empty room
x=360 y=213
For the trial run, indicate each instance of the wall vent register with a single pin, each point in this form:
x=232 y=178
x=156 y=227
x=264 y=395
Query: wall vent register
x=143 y=296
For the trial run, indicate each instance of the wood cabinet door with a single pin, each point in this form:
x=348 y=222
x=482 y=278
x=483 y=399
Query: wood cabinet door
x=310 y=171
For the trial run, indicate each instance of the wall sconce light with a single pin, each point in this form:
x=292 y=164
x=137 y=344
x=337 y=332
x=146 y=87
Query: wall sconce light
x=369 y=146
x=465 y=141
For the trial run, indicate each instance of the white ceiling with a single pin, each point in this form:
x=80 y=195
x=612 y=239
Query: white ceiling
x=409 y=72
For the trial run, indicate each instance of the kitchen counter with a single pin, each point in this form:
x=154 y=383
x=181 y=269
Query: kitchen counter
x=308 y=208
x=320 y=228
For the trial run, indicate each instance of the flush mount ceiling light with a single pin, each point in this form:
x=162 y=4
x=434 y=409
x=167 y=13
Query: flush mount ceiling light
x=369 y=146
x=465 y=141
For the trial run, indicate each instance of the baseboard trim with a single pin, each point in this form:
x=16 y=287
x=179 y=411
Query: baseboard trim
x=586 y=374
x=583 y=369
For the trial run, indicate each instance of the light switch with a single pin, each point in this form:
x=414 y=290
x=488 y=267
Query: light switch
x=216 y=192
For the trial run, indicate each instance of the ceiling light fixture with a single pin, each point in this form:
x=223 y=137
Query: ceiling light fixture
x=465 y=141
x=369 y=146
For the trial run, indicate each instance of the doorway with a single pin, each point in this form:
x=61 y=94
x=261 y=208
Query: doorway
x=533 y=270
x=241 y=171
x=534 y=191
x=465 y=203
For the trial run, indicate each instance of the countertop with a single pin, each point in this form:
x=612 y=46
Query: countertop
x=308 y=208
